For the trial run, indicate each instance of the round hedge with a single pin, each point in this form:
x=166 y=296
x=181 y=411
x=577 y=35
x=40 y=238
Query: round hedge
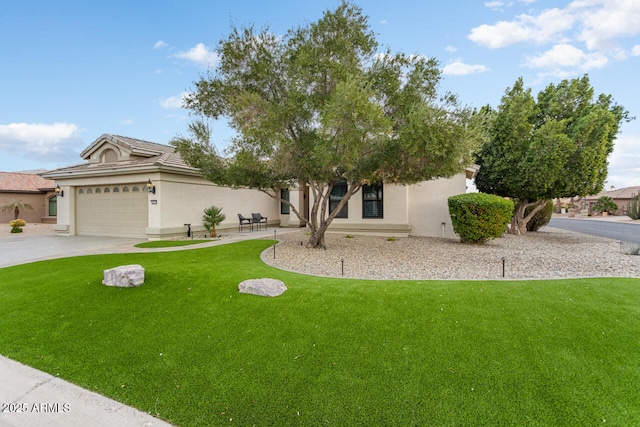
x=478 y=217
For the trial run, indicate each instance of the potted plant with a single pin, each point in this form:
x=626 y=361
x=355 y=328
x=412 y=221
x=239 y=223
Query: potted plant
x=606 y=205
x=212 y=217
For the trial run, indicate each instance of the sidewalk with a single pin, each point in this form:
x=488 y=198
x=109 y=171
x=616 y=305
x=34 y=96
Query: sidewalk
x=31 y=398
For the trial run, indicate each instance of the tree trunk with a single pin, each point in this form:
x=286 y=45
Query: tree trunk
x=519 y=221
x=16 y=212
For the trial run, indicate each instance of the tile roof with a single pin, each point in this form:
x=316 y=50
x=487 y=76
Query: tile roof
x=20 y=182
x=618 y=193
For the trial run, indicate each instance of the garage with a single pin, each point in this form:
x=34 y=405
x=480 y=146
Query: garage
x=116 y=210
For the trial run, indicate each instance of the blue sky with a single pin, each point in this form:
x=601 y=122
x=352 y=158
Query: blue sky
x=73 y=70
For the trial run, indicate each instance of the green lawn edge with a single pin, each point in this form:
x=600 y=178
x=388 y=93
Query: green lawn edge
x=188 y=348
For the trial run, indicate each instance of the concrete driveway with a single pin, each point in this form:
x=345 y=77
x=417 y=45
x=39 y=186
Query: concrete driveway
x=23 y=249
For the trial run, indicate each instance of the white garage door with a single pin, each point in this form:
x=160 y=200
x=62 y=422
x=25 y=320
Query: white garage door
x=118 y=211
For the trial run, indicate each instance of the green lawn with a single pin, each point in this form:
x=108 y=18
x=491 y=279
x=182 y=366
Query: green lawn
x=187 y=347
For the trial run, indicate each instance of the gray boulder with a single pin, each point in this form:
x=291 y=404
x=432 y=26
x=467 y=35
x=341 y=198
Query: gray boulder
x=263 y=287
x=124 y=276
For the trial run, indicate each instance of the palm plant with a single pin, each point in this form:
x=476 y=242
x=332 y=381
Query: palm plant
x=212 y=217
x=16 y=206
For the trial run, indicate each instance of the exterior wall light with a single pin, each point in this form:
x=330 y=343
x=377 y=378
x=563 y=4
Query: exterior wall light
x=59 y=191
x=150 y=187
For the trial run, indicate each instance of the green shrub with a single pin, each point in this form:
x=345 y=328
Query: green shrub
x=16 y=225
x=478 y=217
x=541 y=218
x=633 y=208
x=605 y=204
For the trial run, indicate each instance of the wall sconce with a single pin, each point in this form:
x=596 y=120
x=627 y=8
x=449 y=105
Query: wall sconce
x=150 y=187
x=59 y=191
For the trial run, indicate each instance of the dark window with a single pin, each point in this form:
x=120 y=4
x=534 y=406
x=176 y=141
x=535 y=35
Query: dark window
x=285 y=209
x=53 y=206
x=372 y=201
x=337 y=193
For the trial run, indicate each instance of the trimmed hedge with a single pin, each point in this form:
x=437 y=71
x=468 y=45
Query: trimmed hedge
x=478 y=217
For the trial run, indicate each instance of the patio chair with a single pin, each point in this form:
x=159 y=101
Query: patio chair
x=242 y=221
x=259 y=219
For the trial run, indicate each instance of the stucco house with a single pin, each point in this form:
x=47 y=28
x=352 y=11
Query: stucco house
x=32 y=189
x=133 y=188
x=620 y=196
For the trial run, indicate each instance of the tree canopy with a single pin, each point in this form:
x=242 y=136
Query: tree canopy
x=322 y=105
x=554 y=147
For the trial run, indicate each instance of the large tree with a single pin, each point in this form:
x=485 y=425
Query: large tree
x=554 y=147
x=320 y=106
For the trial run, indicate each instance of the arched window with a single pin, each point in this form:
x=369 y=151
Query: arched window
x=116 y=190
x=81 y=191
x=135 y=188
x=98 y=191
x=125 y=189
x=107 y=190
x=89 y=191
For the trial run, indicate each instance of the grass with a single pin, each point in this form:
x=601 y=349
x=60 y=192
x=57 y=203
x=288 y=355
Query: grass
x=170 y=243
x=186 y=347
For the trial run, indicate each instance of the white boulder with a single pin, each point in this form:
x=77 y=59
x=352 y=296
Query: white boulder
x=124 y=276
x=263 y=287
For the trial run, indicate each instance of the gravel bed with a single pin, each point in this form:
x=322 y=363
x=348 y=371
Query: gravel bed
x=31 y=229
x=549 y=253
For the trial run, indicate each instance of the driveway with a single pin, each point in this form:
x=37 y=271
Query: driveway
x=23 y=249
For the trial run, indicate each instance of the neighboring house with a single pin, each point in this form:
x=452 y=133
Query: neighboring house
x=107 y=196
x=30 y=188
x=620 y=196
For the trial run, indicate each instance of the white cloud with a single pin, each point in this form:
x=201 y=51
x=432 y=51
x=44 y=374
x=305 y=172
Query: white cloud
x=624 y=162
x=597 y=23
x=199 y=54
x=173 y=102
x=566 y=55
x=383 y=21
x=547 y=26
x=41 y=142
x=160 y=44
x=604 y=21
x=451 y=49
x=127 y=122
x=494 y=5
x=636 y=50
x=459 y=68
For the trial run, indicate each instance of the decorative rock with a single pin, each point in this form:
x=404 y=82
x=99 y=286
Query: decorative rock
x=124 y=276
x=263 y=287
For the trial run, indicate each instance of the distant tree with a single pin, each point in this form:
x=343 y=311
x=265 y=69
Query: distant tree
x=320 y=106
x=605 y=204
x=16 y=206
x=555 y=147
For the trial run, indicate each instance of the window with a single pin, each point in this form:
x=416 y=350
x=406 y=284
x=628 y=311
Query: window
x=372 y=201
x=89 y=191
x=337 y=193
x=97 y=190
x=116 y=190
x=135 y=188
x=53 y=206
x=81 y=191
x=106 y=190
x=285 y=209
x=125 y=189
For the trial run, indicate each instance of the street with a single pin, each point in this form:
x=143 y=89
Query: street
x=626 y=232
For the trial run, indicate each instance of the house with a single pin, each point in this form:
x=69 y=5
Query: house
x=30 y=188
x=133 y=188
x=620 y=196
